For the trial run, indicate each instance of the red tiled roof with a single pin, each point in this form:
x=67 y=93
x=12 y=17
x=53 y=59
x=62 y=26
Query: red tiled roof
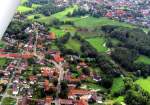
x=57 y=58
x=82 y=102
x=48 y=99
x=79 y=92
x=66 y=101
x=52 y=35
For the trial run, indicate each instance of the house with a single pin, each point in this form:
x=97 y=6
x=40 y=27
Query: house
x=58 y=58
x=48 y=100
x=52 y=35
x=66 y=102
x=82 y=102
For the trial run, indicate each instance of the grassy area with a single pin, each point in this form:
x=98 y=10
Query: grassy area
x=98 y=43
x=8 y=101
x=3 y=61
x=91 y=22
x=58 y=32
x=144 y=83
x=115 y=41
x=143 y=59
x=24 y=9
x=2 y=44
x=119 y=99
x=60 y=15
x=23 y=1
x=73 y=44
x=118 y=84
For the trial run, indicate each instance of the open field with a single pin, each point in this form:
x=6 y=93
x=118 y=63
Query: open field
x=24 y=9
x=2 y=61
x=58 y=32
x=144 y=83
x=98 y=43
x=73 y=44
x=115 y=41
x=118 y=84
x=143 y=59
x=60 y=15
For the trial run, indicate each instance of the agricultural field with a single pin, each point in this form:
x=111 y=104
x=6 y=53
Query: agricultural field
x=144 y=83
x=99 y=43
x=118 y=84
x=73 y=44
x=143 y=59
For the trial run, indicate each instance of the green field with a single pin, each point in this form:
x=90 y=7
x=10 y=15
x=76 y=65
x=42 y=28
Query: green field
x=98 y=43
x=143 y=59
x=115 y=41
x=118 y=84
x=60 y=15
x=91 y=22
x=119 y=99
x=24 y=9
x=3 y=61
x=2 y=44
x=8 y=101
x=58 y=32
x=73 y=44
x=144 y=83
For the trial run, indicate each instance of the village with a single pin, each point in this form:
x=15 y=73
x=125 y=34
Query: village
x=51 y=81
x=136 y=12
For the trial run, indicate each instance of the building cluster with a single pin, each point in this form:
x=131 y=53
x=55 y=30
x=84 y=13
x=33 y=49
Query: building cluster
x=136 y=12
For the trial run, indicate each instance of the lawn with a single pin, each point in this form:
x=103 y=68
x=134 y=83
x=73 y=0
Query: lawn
x=58 y=32
x=91 y=22
x=98 y=43
x=144 y=83
x=2 y=44
x=3 y=61
x=115 y=41
x=73 y=44
x=60 y=15
x=31 y=17
x=143 y=59
x=8 y=101
x=24 y=9
x=118 y=84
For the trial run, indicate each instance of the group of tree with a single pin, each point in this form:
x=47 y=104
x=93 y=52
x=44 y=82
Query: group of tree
x=101 y=60
x=134 y=42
